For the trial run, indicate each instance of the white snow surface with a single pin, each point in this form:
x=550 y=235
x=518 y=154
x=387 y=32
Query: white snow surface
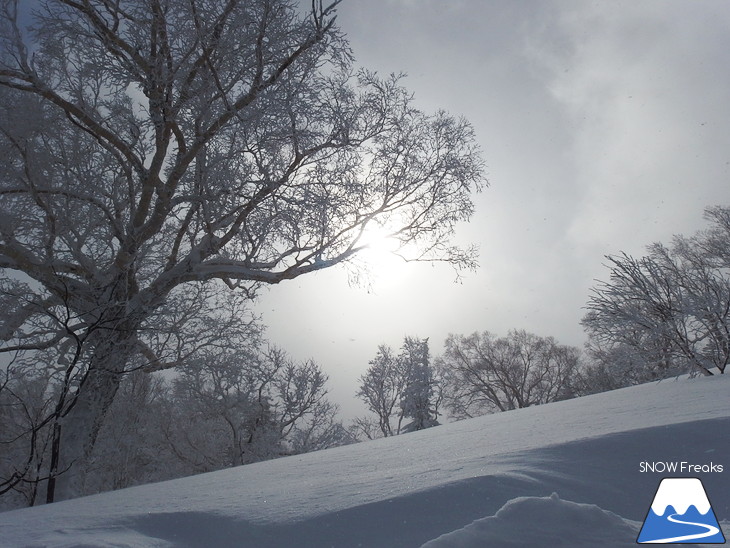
x=562 y=474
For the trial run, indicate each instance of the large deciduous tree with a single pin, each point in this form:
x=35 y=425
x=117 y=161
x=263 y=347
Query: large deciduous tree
x=152 y=147
x=485 y=373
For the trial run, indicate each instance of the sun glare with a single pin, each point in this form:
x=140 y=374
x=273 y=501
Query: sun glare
x=378 y=240
x=380 y=254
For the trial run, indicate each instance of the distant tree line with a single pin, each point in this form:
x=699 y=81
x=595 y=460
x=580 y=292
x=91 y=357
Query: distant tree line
x=476 y=374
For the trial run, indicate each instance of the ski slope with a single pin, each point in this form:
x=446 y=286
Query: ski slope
x=563 y=474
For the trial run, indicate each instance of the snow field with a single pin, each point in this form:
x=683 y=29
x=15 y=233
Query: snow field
x=498 y=471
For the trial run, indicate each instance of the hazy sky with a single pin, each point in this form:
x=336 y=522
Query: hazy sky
x=605 y=126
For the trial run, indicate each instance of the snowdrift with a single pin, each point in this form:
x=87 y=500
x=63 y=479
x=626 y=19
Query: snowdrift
x=563 y=474
x=548 y=521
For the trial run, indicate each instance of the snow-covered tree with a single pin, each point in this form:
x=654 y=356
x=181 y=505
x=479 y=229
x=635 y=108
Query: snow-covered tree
x=381 y=389
x=365 y=428
x=670 y=307
x=319 y=429
x=242 y=406
x=153 y=147
x=485 y=373
x=611 y=368
x=715 y=243
x=396 y=387
x=422 y=396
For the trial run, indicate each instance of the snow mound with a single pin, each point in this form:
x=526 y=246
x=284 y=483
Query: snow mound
x=543 y=521
x=107 y=536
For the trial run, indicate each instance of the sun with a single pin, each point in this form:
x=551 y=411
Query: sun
x=380 y=254
x=378 y=239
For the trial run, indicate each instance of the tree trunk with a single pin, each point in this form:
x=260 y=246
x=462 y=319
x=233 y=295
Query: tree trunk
x=80 y=427
x=55 y=456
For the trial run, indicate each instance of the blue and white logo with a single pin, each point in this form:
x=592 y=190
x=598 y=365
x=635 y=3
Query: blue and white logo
x=680 y=513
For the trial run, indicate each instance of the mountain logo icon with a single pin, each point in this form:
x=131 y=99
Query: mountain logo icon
x=680 y=513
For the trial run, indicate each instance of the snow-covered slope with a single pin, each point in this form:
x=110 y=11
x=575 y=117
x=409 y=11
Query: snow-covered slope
x=563 y=474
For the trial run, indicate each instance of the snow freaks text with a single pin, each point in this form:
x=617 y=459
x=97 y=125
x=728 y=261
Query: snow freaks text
x=681 y=467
